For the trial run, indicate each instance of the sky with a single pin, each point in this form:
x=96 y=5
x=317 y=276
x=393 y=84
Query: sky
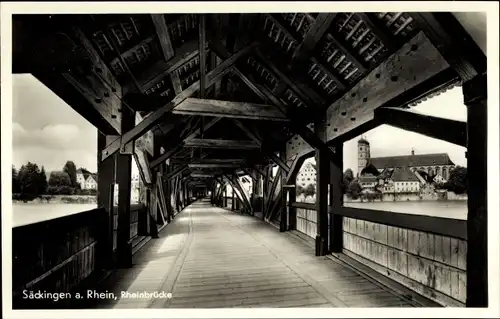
x=48 y=132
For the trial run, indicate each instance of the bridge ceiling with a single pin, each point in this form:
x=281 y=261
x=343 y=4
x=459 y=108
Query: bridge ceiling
x=304 y=61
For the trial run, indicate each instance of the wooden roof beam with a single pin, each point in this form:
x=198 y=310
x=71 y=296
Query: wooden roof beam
x=95 y=94
x=399 y=73
x=114 y=44
x=215 y=165
x=451 y=131
x=201 y=175
x=151 y=75
x=342 y=48
x=202 y=53
x=163 y=36
x=307 y=95
x=179 y=143
x=151 y=120
x=242 y=110
x=222 y=144
x=453 y=42
x=307 y=135
x=208 y=161
x=379 y=32
x=176 y=172
x=223 y=53
x=316 y=31
x=253 y=135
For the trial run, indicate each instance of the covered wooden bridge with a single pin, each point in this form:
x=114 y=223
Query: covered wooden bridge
x=201 y=100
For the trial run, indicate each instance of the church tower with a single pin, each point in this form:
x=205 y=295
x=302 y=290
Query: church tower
x=363 y=154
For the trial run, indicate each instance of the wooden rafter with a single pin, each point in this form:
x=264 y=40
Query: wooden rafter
x=440 y=128
x=310 y=97
x=151 y=120
x=239 y=161
x=118 y=53
x=222 y=144
x=242 y=110
x=400 y=75
x=214 y=165
x=252 y=134
x=378 y=31
x=453 y=42
x=202 y=53
x=292 y=173
x=312 y=37
x=155 y=73
x=308 y=136
x=179 y=143
x=163 y=36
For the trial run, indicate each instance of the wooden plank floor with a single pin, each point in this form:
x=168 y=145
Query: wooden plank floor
x=213 y=258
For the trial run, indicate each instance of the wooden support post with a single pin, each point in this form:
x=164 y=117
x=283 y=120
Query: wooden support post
x=153 y=228
x=284 y=190
x=225 y=196
x=292 y=211
x=105 y=199
x=124 y=179
x=475 y=98
x=322 y=179
x=233 y=206
x=168 y=195
x=260 y=182
x=336 y=199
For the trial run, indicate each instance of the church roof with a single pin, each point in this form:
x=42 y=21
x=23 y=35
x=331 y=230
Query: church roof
x=363 y=141
x=368 y=178
x=411 y=160
x=403 y=174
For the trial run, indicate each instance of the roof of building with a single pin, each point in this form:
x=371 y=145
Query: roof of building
x=368 y=178
x=85 y=173
x=411 y=160
x=94 y=176
x=386 y=173
x=363 y=141
x=403 y=174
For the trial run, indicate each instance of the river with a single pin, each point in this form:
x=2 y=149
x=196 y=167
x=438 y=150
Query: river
x=456 y=209
x=32 y=213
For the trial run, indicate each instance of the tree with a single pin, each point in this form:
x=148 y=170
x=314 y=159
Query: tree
x=58 y=178
x=15 y=184
x=348 y=176
x=457 y=182
x=43 y=181
x=70 y=169
x=354 y=189
x=370 y=169
x=29 y=180
x=310 y=190
x=300 y=190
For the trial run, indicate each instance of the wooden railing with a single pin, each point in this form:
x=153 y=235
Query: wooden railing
x=54 y=256
x=59 y=255
x=424 y=253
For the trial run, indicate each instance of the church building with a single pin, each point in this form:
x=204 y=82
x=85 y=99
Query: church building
x=438 y=164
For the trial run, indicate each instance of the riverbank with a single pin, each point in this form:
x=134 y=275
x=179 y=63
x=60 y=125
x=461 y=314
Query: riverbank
x=60 y=199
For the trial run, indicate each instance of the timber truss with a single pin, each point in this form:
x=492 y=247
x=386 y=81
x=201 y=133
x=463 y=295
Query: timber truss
x=200 y=100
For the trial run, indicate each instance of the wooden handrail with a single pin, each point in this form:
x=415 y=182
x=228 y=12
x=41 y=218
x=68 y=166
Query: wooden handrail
x=450 y=227
x=310 y=206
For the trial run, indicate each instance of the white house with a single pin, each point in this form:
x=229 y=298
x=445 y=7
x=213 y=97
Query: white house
x=405 y=181
x=307 y=175
x=82 y=178
x=91 y=182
